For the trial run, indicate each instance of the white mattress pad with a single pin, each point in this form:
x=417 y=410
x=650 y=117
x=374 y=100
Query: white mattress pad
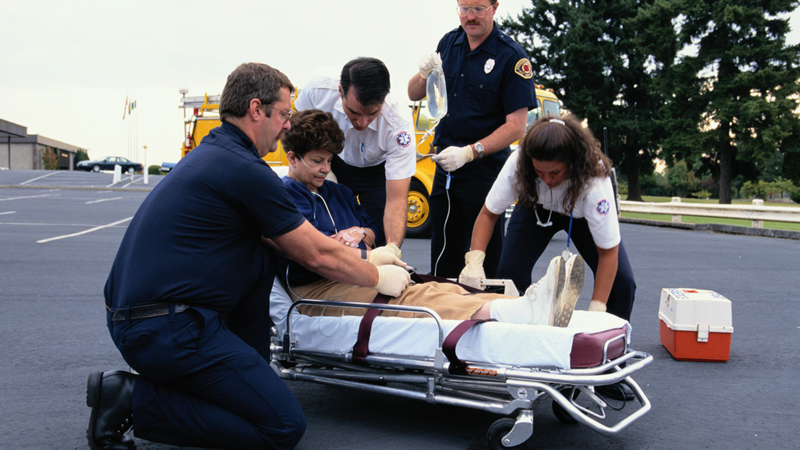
x=490 y=342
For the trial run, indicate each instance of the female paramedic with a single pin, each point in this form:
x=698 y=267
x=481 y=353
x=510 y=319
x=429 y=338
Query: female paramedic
x=332 y=208
x=561 y=179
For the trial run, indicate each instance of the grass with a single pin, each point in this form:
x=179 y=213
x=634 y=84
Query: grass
x=719 y=220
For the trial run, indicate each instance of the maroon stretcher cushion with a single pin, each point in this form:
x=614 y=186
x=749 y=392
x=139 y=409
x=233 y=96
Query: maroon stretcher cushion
x=587 y=348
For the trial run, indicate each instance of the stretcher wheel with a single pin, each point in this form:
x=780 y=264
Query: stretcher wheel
x=500 y=428
x=561 y=414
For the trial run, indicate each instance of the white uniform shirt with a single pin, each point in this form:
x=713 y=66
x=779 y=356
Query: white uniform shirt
x=596 y=203
x=389 y=137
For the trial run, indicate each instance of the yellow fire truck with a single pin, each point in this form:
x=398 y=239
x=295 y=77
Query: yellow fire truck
x=205 y=116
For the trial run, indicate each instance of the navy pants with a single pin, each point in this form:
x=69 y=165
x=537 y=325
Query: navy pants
x=468 y=189
x=203 y=385
x=525 y=242
x=369 y=184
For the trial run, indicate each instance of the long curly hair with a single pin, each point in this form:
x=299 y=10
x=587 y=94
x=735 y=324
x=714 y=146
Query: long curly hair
x=565 y=140
x=313 y=129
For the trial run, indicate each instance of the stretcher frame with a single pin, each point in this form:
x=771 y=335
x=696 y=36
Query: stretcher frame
x=498 y=389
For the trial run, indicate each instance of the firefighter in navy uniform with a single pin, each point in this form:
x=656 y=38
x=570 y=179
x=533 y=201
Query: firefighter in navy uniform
x=489 y=92
x=187 y=298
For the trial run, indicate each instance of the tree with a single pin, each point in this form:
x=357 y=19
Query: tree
x=681 y=179
x=49 y=158
x=591 y=54
x=80 y=155
x=743 y=77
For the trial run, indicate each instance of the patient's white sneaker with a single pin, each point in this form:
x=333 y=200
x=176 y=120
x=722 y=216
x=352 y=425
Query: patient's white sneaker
x=545 y=293
x=573 y=285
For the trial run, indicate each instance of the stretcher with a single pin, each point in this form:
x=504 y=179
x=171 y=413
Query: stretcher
x=496 y=367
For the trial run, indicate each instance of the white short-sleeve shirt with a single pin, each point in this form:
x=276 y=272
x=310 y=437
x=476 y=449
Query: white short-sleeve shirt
x=596 y=204
x=389 y=137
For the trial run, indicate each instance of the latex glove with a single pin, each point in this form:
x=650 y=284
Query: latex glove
x=395 y=249
x=392 y=280
x=384 y=256
x=473 y=273
x=427 y=63
x=597 y=305
x=452 y=158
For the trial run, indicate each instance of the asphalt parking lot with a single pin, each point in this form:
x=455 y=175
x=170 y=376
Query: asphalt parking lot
x=59 y=235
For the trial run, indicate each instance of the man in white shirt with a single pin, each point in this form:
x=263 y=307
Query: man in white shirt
x=378 y=159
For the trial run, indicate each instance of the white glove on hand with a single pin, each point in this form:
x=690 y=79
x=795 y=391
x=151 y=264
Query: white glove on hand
x=384 y=256
x=395 y=249
x=473 y=273
x=597 y=305
x=453 y=158
x=427 y=63
x=392 y=280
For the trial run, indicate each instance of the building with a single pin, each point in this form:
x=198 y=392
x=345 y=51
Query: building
x=22 y=151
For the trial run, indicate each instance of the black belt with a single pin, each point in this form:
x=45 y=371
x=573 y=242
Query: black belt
x=145 y=311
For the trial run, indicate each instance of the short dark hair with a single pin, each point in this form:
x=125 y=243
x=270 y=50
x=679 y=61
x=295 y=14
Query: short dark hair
x=249 y=81
x=313 y=129
x=370 y=79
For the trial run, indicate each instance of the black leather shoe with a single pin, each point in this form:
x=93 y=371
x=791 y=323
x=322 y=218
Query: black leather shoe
x=618 y=391
x=109 y=394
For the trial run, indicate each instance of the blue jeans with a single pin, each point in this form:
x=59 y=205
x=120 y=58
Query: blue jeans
x=202 y=385
x=525 y=242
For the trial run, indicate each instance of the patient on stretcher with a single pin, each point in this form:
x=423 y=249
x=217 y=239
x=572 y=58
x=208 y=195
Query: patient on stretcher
x=311 y=143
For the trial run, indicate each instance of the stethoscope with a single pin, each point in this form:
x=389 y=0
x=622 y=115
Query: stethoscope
x=335 y=229
x=549 y=217
x=549 y=222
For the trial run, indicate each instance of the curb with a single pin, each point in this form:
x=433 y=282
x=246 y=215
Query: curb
x=716 y=228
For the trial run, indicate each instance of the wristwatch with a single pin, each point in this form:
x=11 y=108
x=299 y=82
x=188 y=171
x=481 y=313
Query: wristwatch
x=479 y=149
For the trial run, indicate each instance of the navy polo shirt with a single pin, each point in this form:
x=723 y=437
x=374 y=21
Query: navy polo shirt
x=196 y=238
x=483 y=86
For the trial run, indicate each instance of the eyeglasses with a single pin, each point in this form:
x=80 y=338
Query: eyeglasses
x=314 y=165
x=285 y=115
x=479 y=11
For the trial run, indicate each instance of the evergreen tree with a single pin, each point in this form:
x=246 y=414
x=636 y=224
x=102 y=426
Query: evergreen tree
x=80 y=155
x=741 y=86
x=591 y=53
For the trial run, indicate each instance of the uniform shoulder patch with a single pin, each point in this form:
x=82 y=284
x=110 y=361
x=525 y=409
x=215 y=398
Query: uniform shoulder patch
x=403 y=139
x=603 y=207
x=523 y=68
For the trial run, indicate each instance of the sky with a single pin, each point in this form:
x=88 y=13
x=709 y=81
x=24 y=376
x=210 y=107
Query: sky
x=67 y=68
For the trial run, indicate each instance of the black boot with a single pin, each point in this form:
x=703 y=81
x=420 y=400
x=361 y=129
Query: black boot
x=110 y=395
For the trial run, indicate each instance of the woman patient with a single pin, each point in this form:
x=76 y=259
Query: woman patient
x=312 y=142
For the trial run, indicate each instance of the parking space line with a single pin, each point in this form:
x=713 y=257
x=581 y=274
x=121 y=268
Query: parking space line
x=24 y=197
x=103 y=200
x=38 y=178
x=43 y=241
x=7 y=212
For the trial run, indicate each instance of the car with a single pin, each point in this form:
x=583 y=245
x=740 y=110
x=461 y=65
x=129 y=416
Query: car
x=109 y=163
x=166 y=167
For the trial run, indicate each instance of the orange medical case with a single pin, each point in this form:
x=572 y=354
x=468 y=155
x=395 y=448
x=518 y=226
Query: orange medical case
x=696 y=324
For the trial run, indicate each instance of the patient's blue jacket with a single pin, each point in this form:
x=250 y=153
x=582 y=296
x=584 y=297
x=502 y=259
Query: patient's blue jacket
x=333 y=209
